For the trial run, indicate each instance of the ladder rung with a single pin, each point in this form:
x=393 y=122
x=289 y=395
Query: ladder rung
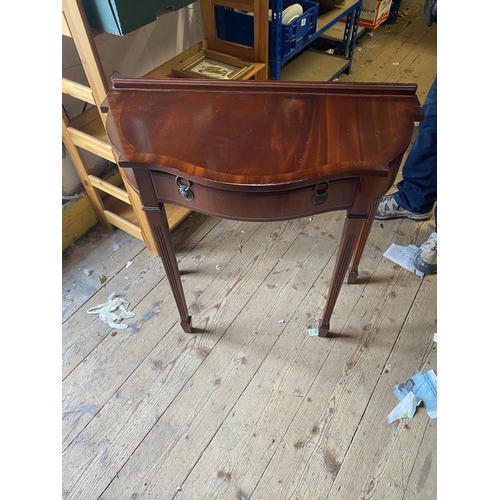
x=124 y=224
x=77 y=90
x=91 y=144
x=109 y=188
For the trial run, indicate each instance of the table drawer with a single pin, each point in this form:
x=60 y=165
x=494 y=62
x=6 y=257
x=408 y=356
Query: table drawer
x=255 y=205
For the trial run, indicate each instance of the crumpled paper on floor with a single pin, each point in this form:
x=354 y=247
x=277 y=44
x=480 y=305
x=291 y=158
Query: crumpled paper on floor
x=107 y=314
x=404 y=257
x=421 y=387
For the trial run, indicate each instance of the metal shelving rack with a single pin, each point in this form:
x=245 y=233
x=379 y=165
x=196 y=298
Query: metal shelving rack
x=327 y=30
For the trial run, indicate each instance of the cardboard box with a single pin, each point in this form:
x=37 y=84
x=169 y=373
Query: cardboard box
x=374 y=13
x=120 y=17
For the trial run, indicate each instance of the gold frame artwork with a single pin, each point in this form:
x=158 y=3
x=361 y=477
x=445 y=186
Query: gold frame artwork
x=213 y=65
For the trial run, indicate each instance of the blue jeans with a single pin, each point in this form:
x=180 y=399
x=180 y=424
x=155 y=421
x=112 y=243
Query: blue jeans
x=417 y=192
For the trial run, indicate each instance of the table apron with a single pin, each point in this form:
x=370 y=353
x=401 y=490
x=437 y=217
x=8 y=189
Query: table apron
x=256 y=206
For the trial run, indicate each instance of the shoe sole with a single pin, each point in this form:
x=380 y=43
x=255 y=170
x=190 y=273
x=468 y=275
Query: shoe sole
x=423 y=266
x=417 y=217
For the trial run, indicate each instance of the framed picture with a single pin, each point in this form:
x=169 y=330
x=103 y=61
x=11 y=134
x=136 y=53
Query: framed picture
x=209 y=64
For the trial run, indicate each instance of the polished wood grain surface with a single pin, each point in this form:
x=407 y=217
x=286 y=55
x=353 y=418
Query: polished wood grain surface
x=262 y=134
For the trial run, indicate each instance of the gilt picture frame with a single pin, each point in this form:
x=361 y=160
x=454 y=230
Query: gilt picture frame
x=213 y=65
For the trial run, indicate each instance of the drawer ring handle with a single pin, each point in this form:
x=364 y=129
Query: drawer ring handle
x=185 y=191
x=320 y=193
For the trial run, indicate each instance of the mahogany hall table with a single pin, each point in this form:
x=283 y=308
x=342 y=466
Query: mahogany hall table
x=261 y=151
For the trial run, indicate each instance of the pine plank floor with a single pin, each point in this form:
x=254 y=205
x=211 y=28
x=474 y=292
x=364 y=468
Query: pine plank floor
x=253 y=407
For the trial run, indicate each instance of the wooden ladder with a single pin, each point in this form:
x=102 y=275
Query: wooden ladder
x=114 y=201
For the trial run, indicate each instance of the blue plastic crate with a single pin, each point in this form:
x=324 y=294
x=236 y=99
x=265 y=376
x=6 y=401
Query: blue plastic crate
x=237 y=27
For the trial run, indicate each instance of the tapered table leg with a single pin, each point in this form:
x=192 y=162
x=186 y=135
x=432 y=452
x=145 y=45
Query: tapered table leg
x=157 y=219
x=350 y=234
x=365 y=232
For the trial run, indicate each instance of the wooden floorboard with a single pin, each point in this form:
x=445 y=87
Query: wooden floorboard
x=251 y=406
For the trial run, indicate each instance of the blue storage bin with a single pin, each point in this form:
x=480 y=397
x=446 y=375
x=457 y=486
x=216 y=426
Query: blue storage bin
x=238 y=28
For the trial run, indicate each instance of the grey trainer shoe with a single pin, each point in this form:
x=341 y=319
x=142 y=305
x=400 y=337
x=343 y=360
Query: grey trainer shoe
x=388 y=208
x=426 y=257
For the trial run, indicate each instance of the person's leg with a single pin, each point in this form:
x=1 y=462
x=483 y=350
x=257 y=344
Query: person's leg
x=417 y=191
x=426 y=257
